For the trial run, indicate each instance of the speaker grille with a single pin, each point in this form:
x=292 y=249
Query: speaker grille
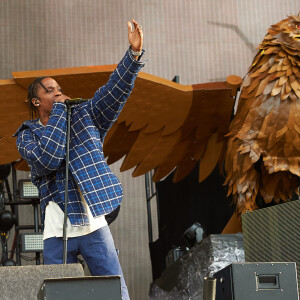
x=273 y=234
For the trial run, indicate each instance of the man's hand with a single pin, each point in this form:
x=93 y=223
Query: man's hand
x=61 y=98
x=135 y=36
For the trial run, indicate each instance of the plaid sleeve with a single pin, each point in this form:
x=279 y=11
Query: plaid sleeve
x=45 y=155
x=109 y=100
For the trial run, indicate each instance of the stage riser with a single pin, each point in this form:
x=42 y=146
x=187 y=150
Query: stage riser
x=24 y=282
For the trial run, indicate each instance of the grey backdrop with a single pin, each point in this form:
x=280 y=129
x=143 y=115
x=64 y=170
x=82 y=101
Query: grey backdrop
x=198 y=40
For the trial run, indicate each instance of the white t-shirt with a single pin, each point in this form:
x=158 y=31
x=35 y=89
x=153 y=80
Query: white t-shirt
x=54 y=219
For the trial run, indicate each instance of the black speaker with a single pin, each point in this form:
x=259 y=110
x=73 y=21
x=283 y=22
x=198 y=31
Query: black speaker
x=257 y=281
x=272 y=234
x=79 y=288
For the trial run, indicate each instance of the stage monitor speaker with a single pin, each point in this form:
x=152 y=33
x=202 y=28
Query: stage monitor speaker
x=257 y=281
x=273 y=234
x=79 y=288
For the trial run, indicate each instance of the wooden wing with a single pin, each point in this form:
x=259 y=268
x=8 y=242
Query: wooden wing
x=163 y=126
x=166 y=126
x=13 y=111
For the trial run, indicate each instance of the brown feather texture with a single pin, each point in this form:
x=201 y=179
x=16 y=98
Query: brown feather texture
x=263 y=150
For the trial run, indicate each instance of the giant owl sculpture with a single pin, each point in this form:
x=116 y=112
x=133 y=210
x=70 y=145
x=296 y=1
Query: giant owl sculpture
x=263 y=147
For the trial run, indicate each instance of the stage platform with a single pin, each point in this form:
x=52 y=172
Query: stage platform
x=24 y=282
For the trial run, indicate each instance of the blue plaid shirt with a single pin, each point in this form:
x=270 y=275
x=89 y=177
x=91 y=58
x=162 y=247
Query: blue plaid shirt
x=44 y=148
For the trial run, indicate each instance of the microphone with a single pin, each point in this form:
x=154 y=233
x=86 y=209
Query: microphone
x=75 y=101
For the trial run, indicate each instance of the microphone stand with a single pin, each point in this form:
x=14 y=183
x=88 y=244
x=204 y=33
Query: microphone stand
x=69 y=104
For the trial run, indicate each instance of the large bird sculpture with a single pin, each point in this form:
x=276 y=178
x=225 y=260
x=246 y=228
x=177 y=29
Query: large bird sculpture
x=262 y=158
x=263 y=148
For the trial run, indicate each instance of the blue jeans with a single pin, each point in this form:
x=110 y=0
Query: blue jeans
x=97 y=249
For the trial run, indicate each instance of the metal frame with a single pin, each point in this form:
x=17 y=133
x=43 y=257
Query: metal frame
x=150 y=194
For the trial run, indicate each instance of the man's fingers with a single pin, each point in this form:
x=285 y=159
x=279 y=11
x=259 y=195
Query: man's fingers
x=129 y=27
x=135 y=24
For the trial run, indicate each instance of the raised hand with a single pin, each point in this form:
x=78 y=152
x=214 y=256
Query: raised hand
x=135 y=36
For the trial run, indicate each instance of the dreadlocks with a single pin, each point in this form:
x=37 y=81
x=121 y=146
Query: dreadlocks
x=32 y=93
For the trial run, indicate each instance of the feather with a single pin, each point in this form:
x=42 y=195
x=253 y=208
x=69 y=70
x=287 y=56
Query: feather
x=262 y=85
x=273 y=68
x=289 y=71
x=283 y=79
x=210 y=158
x=288 y=87
x=269 y=87
x=276 y=89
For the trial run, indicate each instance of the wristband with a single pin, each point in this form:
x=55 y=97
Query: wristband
x=135 y=53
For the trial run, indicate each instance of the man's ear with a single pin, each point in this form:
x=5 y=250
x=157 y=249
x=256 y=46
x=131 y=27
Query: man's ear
x=35 y=101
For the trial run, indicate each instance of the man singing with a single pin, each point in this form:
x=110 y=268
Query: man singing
x=93 y=190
